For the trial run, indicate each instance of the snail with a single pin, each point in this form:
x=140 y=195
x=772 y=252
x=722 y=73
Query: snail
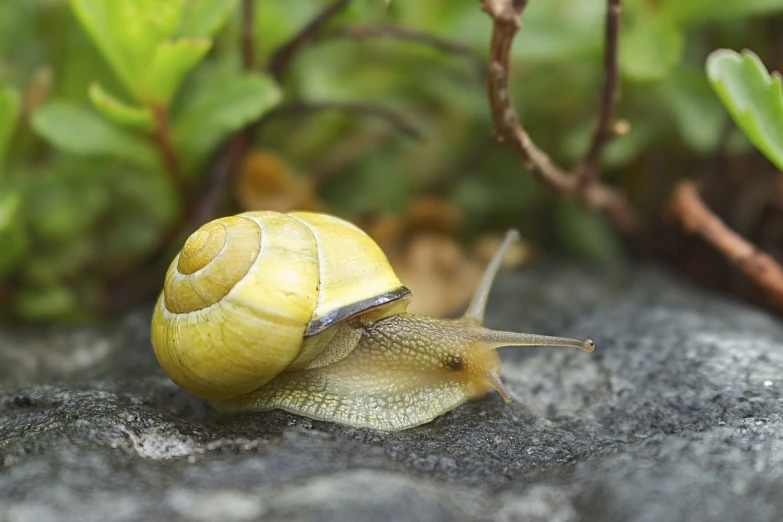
x=302 y=312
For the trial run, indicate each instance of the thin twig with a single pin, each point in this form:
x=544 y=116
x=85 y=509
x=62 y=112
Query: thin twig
x=587 y=170
x=248 y=38
x=511 y=132
x=506 y=23
x=696 y=218
x=304 y=108
x=406 y=34
x=283 y=55
x=6 y=292
x=220 y=173
x=169 y=155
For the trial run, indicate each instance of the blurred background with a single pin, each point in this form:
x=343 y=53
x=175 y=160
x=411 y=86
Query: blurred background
x=125 y=125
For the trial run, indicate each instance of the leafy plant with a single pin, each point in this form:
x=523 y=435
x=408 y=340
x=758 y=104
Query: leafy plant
x=753 y=97
x=114 y=113
x=145 y=121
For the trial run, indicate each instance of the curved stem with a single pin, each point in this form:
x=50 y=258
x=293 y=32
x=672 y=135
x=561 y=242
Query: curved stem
x=168 y=152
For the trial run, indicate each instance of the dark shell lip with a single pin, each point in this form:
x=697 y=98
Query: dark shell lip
x=319 y=325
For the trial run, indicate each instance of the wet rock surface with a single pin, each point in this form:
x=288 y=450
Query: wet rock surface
x=677 y=415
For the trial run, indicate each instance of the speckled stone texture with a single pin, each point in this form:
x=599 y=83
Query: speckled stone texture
x=677 y=416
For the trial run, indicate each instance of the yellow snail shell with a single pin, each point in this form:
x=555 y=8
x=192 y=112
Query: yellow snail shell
x=262 y=280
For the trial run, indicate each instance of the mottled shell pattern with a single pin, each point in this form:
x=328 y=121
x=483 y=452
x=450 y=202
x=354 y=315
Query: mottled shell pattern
x=246 y=291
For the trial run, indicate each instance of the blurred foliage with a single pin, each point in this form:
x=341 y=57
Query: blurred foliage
x=108 y=108
x=753 y=97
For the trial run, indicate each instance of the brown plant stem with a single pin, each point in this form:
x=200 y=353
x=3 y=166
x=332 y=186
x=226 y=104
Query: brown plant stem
x=696 y=218
x=220 y=173
x=6 y=292
x=506 y=23
x=168 y=153
x=304 y=108
x=283 y=56
x=587 y=170
x=248 y=38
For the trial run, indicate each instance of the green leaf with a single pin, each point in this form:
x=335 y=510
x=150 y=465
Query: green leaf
x=12 y=232
x=753 y=98
x=650 y=48
x=203 y=18
x=9 y=112
x=128 y=32
x=71 y=128
x=118 y=112
x=220 y=106
x=136 y=38
x=170 y=63
x=277 y=21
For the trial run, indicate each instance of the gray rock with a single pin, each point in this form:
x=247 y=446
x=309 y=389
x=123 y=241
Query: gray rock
x=677 y=416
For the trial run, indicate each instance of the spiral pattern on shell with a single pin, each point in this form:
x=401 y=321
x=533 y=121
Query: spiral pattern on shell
x=238 y=298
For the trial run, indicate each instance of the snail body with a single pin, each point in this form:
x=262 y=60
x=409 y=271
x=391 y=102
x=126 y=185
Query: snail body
x=302 y=312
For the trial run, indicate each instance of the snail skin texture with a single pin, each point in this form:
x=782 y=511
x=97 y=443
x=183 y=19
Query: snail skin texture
x=302 y=312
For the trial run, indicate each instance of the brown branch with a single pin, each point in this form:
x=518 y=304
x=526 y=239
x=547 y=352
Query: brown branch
x=248 y=38
x=506 y=23
x=587 y=170
x=168 y=153
x=6 y=292
x=221 y=172
x=304 y=108
x=509 y=130
x=284 y=55
x=696 y=218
